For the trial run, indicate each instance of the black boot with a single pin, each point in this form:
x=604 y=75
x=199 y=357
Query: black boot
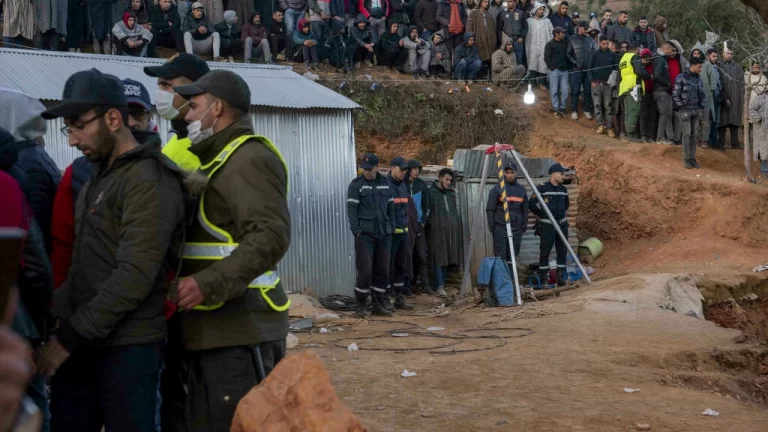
x=361 y=310
x=386 y=301
x=409 y=291
x=377 y=306
x=401 y=304
x=560 y=277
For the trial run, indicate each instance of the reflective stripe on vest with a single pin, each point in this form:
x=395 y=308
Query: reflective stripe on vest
x=218 y=251
x=177 y=150
x=628 y=75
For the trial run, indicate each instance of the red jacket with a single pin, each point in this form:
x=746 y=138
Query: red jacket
x=12 y=204
x=63 y=230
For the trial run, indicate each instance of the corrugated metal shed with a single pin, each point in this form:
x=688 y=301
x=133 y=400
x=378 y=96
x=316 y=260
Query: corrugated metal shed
x=470 y=162
x=42 y=74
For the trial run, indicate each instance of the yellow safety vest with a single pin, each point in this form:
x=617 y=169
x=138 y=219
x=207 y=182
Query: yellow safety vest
x=219 y=244
x=628 y=75
x=177 y=149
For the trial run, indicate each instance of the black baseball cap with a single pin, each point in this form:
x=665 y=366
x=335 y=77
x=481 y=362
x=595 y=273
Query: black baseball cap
x=137 y=94
x=413 y=163
x=184 y=65
x=510 y=165
x=558 y=30
x=575 y=15
x=223 y=84
x=369 y=161
x=556 y=168
x=85 y=90
x=399 y=162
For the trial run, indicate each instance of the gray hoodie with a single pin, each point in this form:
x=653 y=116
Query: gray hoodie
x=20 y=115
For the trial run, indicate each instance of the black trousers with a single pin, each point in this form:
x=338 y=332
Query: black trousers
x=398 y=263
x=362 y=54
x=550 y=238
x=734 y=136
x=174 y=40
x=501 y=244
x=172 y=380
x=231 y=47
x=115 y=387
x=277 y=43
x=392 y=57
x=76 y=21
x=420 y=268
x=219 y=378
x=372 y=261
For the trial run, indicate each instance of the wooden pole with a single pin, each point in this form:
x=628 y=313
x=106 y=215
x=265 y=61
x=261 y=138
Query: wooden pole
x=747 y=144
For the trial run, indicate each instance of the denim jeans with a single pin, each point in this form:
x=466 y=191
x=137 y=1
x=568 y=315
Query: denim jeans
x=580 y=84
x=292 y=18
x=558 y=89
x=764 y=167
x=440 y=276
x=320 y=29
x=467 y=72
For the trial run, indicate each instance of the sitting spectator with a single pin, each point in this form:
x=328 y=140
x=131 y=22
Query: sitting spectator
x=425 y=17
x=643 y=35
x=340 y=51
x=256 y=40
x=440 y=60
x=366 y=39
x=199 y=36
x=467 y=61
x=131 y=39
x=391 y=49
x=483 y=26
x=514 y=24
x=140 y=12
x=504 y=67
x=376 y=13
x=452 y=16
x=419 y=52
x=279 y=38
x=229 y=35
x=166 y=27
x=306 y=39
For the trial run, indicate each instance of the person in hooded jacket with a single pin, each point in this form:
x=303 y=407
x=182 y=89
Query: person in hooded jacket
x=440 y=59
x=483 y=25
x=539 y=34
x=425 y=17
x=402 y=13
x=131 y=38
x=391 y=49
x=256 y=41
x=199 y=34
x=38 y=174
x=166 y=27
x=660 y=29
x=305 y=38
x=419 y=52
x=229 y=32
x=504 y=67
x=466 y=60
x=366 y=39
x=513 y=23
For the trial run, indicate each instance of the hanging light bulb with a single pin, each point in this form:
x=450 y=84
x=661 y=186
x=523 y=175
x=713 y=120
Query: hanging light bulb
x=529 y=98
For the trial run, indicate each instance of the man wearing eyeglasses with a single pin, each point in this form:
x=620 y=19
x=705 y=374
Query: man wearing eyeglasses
x=104 y=355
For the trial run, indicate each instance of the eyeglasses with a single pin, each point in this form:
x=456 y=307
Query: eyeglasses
x=67 y=130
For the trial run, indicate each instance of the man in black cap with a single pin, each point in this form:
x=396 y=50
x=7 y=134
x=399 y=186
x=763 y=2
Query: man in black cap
x=105 y=352
x=234 y=316
x=517 y=205
x=182 y=69
x=554 y=195
x=418 y=188
x=398 y=263
x=556 y=57
x=370 y=211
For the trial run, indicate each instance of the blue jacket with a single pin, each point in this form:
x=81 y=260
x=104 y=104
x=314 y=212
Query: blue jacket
x=464 y=52
x=418 y=188
x=555 y=197
x=565 y=22
x=401 y=197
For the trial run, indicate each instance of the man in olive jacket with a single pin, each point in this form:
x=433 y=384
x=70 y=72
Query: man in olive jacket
x=110 y=322
x=234 y=314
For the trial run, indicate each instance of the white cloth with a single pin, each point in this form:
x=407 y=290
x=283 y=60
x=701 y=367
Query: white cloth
x=758 y=82
x=758 y=117
x=539 y=33
x=18 y=19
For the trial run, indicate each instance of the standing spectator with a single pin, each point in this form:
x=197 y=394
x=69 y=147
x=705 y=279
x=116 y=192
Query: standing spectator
x=562 y=20
x=391 y=49
x=452 y=16
x=594 y=31
x=440 y=60
x=418 y=190
x=443 y=227
x=19 y=23
x=166 y=27
x=481 y=24
x=662 y=88
x=294 y=12
x=606 y=22
x=711 y=78
x=279 y=38
x=398 y=263
x=230 y=36
x=539 y=34
x=758 y=123
x=580 y=49
x=419 y=52
x=614 y=80
x=495 y=9
x=365 y=38
x=199 y=35
x=320 y=18
x=556 y=56
x=425 y=17
x=733 y=99
x=77 y=13
x=516 y=199
x=50 y=23
x=677 y=65
x=648 y=113
x=306 y=39
x=576 y=17
x=402 y=13
x=131 y=38
x=601 y=64
x=757 y=80
x=100 y=16
x=343 y=13
x=643 y=35
x=466 y=61
x=659 y=29
x=631 y=90
x=620 y=31
x=214 y=10
x=690 y=101
x=243 y=9
x=376 y=12
x=527 y=7
x=514 y=24
x=504 y=66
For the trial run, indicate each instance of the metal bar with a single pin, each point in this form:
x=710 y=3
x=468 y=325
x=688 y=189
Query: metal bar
x=466 y=282
x=551 y=218
x=505 y=205
x=747 y=144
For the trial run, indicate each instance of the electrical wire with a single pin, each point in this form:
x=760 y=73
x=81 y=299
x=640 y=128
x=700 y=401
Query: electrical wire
x=338 y=302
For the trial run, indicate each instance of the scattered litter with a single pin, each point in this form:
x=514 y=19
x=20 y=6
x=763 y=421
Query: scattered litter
x=374 y=86
x=427 y=413
x=291 y=341
x=311 y=345
x=453 y=90
x=498 y=111
x=302 y=324
x=487 y=89
x=630 y=390
x=323 y=330
x=352 y=347
x=501 y=423
x=710 y=412
x=447 y=83
x=326 y=317
x=368 y=77
x=407 y=374
x=338 y=329
x=311 y=76
x=642 y=426
x=590 y=270
x=761 y=268
x=400 y=334
x=435 y=328
x=342 y=84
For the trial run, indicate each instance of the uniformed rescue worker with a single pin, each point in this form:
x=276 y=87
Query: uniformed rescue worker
x=234 y=317
x=555 y=196
x=418 y=189
x=398 y=264
x=182 y=69
x=517 y=205
x=370 y=210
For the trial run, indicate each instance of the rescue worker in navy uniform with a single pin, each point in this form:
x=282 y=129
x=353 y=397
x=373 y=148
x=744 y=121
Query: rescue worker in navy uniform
x=398 y=263
x=370 y=210
x=418 y=189
x=555 y=196
x=233 y=310
x=517 y=205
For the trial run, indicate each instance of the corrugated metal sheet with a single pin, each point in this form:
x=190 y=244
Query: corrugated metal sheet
x=42 y=74
x=470 y=163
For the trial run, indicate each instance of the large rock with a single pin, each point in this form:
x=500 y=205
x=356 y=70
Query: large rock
x=296 y=397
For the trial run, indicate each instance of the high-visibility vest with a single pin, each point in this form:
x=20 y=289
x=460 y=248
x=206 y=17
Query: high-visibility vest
x=177 y=149
x=628 y=76
x=209 y=243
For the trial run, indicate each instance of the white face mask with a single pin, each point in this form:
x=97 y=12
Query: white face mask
x=164 y=104
x=195 y=132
